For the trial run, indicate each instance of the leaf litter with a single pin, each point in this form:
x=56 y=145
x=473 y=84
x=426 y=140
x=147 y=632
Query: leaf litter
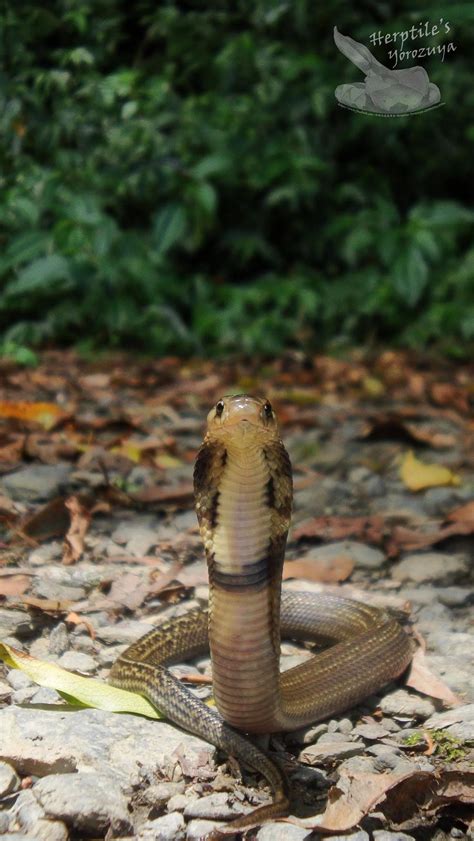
x=131 y=428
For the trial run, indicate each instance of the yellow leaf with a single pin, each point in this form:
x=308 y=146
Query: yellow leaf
x=88 y=691
x=417 y=475
x=167 y=461
x=129 y=450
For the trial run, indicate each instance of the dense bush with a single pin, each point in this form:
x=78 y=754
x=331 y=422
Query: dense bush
x=180 y=178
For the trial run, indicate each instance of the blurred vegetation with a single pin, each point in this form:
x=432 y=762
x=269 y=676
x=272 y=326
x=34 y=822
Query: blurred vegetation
x=180 y=178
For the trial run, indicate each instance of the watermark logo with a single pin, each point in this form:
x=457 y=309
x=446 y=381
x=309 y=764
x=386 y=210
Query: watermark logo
x=390 y=92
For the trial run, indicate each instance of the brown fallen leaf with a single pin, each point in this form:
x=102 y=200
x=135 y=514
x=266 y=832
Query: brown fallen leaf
x=370 y=529
x=392 y=426
x=421 y=678
x=52 y=520
x=178 y=495
x=329 y=570
x=448 y=394
x=405 y=539
x=14 y=585
x=463 y=514
x=74 y=539
x=357 y=793
x=52 y=607
x=130 y=591
x=74 y=619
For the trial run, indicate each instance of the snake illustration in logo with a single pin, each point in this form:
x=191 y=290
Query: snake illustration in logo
x=385 y=92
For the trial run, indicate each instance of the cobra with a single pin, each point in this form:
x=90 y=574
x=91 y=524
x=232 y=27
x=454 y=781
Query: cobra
x=243 y=496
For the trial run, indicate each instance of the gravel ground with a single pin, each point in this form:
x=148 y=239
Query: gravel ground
x=73 y=774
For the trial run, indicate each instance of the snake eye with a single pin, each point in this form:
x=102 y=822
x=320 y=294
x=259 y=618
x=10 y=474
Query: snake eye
x=219 y=408
x=267 y=409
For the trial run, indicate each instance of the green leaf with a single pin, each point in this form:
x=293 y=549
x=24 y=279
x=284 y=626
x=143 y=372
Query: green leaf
x=38 y=276
x=410 y=275
x=86 y=691
x=169 y=227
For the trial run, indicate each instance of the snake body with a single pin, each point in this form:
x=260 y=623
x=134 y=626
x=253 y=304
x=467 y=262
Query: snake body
x=243 y=493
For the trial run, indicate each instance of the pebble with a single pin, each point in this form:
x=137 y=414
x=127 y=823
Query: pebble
x=213 y=807
x=452 y=644
x=456 y=596
x=160 y=793
x=177 y=802
x=75 y=661
x=46 y=553
x=199 y=829
x=429 y=566
x=403 y=704
x=45 y=695
x=458 y=722
x=124 y=632
x=87 y=802
x=18 y=679
x=361 y=835
x=37 y=482
x=58 y=640
x=28 y=817
x=363 y=556
x=330 y=750
x=308 y=735
x=169 y=827
x=9 y=779
x=282 y=832
x=370 y=731
x=383 y=835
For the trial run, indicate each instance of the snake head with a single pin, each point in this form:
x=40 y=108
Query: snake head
x=242 y=419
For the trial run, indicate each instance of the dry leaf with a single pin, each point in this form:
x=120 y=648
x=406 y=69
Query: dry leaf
x=417 y=475
x=129 y=591
x=463 y=514
x=46 y=415
x=327 y=570
x=74 y=540
x=14 y=585
x=389 y=425
x=52 y=520
x=421 y=678
x=52 y=607
x=370 y=529
x=178 y=495
x=74 y=619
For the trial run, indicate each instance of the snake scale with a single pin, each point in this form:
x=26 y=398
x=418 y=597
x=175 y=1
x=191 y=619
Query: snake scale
x=243 y=492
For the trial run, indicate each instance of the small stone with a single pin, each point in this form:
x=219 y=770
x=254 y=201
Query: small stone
x=177 y=803
x=199 y=829
x=45 y=695
x=58 y=640
x=282 y=832
x=75 y=661
x=18 y=680
x=331 y=737
x=345 y=726
x=456 y=596
x=429 y=566
x=458 y=722
x=213 y=807
x=27 y=816
x=308 y=735
x=159 y=794
x=46 y=553
x=363 y=556
x=37 y=482
x=5 y=690
x=330 y=751
x=169 y=827
x=370 y=731
x=361 y=835
x=402 y=704
x=124 y=632
x=383 y=835
x=9 y=779
x=88 y=802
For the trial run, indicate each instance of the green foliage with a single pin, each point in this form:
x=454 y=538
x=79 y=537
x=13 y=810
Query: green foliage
x=179 y=178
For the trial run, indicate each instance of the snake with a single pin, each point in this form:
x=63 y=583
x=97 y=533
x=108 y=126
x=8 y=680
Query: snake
x=243 y=499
